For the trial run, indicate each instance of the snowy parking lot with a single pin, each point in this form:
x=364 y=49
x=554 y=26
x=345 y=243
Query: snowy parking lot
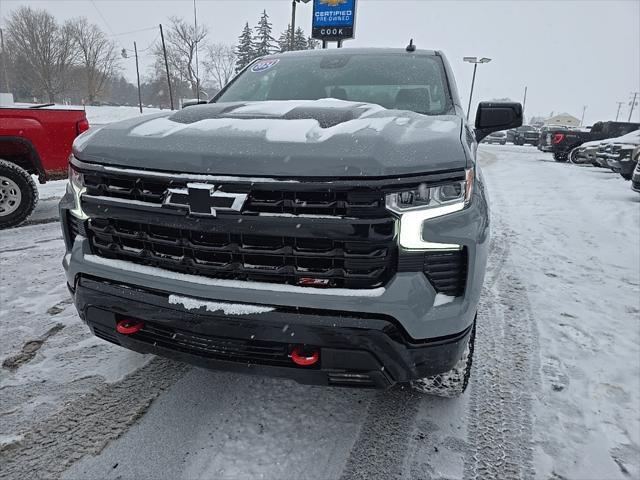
x=554 y=392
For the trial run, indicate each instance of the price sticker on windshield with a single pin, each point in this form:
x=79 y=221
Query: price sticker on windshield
x=264 y=65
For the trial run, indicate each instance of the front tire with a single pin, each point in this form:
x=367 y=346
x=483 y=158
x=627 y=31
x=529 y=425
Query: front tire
x=454 y=382
x=18 y=195
x=560 y=156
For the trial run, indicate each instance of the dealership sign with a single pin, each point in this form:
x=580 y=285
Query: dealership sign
x=333 y=20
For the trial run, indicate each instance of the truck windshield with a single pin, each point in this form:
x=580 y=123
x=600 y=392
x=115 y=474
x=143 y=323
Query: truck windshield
x=394 y=81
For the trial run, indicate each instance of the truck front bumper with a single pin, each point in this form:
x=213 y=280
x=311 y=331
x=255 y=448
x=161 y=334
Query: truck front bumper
x=364 y=350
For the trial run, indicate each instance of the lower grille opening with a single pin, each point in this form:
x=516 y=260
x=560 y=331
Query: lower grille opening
x=105 y=334
x=349 y=379
x=230 y=349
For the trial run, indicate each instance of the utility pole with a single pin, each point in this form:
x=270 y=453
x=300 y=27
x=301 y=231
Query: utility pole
x=195 y=21
x=633 y=104
x=584 y=109
x=524 y=102
x=166 y=64
x=292 y=43
x=135 y=49
x=618 y=112
x=4 y=63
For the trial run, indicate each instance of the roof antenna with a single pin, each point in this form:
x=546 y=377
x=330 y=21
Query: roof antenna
x=411 y=47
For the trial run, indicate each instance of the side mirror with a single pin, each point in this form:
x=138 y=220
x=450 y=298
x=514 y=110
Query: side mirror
x=495 y=116
x=191 y=103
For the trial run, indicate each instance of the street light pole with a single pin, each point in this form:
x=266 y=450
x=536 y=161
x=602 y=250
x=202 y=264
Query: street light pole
x=584 y=109
x=475 y=62
x=473 y=82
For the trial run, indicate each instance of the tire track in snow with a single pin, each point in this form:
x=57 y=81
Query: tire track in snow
x=505 y=374
x=384 y=437
x=86 y=425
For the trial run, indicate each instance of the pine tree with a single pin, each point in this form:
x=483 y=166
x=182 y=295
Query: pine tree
x=312 y=43
x=300 y=40
x=263 y=41
x=245 y=51
x=284 y=42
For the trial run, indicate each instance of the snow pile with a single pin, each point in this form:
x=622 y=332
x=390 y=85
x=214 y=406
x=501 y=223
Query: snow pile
x=191 y=303
x=442 y=299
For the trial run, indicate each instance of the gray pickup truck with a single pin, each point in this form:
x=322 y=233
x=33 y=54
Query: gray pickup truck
x=323 y=218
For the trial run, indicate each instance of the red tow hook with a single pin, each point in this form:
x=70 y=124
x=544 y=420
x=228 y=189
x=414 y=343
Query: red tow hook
x=129 y=326
x=304 y=360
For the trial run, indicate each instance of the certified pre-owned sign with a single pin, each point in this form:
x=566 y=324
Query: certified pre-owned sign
x=333 y=20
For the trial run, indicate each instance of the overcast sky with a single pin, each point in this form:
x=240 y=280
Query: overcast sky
x=569 y=53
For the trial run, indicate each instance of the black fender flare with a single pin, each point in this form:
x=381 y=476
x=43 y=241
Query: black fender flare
x=33 y=154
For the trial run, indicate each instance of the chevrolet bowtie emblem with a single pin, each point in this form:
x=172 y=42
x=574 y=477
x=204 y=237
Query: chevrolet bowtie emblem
x=333 y=3
x=204 y=199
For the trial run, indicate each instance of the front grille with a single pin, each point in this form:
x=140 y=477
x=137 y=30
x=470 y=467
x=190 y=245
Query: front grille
x=364 y=203
x=262 y=352
x=330 y=262
x=446 y=271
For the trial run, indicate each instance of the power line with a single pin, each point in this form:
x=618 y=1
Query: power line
x=133 y=31
x=102 y=16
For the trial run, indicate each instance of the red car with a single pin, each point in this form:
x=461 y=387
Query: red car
x=34 y=140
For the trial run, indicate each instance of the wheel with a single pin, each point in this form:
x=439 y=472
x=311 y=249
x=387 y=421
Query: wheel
x=504 y=142
x=517 y=142
x=454 y=382
x=560 y=156
x=573 y=156
x=18 y=194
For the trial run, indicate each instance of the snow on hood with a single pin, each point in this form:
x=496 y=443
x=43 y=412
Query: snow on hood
x=286 y=130
x=320 y=138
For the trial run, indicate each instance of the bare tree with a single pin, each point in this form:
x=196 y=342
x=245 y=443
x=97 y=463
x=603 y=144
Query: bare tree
x=97 y=55
x=48 y=48
x=181 y=40
x=220 y=62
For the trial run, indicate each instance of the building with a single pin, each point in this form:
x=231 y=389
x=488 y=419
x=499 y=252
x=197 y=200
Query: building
x=563 y=119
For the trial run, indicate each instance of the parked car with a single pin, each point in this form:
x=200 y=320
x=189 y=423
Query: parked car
x=496 y=137
x=585 y=153
x=562 y=141
x=525 y=135
x=617 y=154
x=342 y=244
x=635 y=179
x=34 y=140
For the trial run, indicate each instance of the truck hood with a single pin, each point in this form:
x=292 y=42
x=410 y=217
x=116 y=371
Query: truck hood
x=322 y=138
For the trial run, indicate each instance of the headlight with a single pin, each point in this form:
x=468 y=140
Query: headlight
x=77 y=188
x=420 y=204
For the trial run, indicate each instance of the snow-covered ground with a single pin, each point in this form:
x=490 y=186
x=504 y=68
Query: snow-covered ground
x=555 y=392
x=103 y=115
